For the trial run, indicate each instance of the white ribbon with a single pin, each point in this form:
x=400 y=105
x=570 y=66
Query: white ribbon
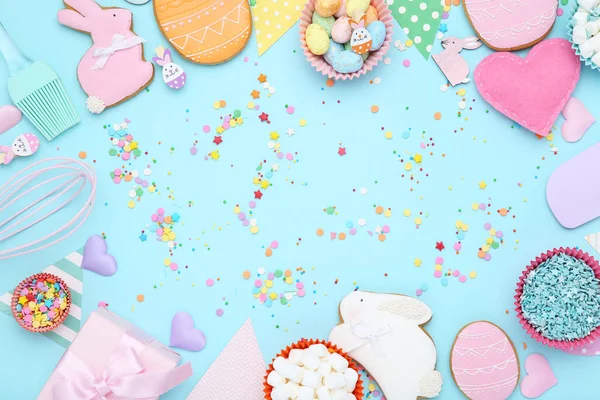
x=374 y=336
x=118 y=43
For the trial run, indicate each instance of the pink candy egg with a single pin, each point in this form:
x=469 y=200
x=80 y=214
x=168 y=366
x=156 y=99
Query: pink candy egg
x=484 y=363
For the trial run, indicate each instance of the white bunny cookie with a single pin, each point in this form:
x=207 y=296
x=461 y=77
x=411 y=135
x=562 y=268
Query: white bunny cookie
x=383 y=332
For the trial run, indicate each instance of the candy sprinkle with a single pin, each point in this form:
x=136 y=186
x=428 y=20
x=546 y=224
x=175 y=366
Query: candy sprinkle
x=561 y=298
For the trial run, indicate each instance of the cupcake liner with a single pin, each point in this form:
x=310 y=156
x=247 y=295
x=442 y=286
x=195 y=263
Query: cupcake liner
x=318 y=62
x=304 y=344
x=587 y=61
x=562 y=345
x=21 y=286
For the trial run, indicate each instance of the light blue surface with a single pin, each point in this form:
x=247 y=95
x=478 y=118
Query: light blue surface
x=484 y=147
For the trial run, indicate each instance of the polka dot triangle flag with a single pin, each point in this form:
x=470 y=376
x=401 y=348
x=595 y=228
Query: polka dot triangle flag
x=419 y=19
x=69 y=270
x=272 y=19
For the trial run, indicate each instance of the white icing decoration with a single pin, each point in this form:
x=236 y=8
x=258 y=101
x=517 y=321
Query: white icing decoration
x=484 y=370
x=406 y=370
x=548 y=15
x=95 y=105
x=482 y=351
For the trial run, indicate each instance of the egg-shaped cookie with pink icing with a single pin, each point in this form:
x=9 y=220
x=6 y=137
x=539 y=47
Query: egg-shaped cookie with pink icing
x=511 y=25
x=384 y=333
x=484 y=362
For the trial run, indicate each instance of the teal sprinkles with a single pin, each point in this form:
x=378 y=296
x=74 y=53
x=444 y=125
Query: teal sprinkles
x=561 y=298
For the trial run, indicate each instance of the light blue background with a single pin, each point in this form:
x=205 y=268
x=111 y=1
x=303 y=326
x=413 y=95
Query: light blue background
x=487 y=149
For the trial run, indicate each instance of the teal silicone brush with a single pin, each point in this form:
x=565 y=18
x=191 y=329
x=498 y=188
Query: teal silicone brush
x=36 y=90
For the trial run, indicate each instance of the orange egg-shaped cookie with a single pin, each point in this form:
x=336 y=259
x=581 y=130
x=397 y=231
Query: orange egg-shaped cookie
x=205 y=31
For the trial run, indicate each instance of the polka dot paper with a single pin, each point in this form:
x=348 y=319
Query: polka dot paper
x=272 y=19
x=419 y=19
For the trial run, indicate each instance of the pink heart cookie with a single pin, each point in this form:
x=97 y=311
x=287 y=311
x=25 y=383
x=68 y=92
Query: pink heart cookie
x=9 y=117
x=540 y=377
x=534 y=90
x=577 y=120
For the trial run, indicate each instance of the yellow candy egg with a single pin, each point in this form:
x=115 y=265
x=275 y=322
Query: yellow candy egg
x=326 y=8
x=371 y=15
x=355 y=8
x=317 y=39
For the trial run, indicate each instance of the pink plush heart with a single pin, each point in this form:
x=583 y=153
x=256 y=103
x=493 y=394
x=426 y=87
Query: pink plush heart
x=577 y=120
x=530 y=91
x=540 y=377
x=9 y=117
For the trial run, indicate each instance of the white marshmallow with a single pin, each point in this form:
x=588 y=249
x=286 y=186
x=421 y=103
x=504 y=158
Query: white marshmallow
x=351 y=377
x=589 y=47
x=324 y=369
x=338 y=363
x=335 y=380
x=580 y=17
x=306 y=393
x=592 y=27
x=288 y=370
x=319 y=350
x=310 y=361
x=278 y=394
x=312 y=379
x=295 y=356
x=588 y=4
x=274 y=379
x=579 y=34
x=350 y=396
x=292 y=389
x=338 y=394
x=323 y=393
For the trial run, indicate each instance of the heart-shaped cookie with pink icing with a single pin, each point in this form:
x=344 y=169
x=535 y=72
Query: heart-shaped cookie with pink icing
x=531 y=91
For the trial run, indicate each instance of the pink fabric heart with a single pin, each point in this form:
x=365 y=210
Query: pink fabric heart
x=534 y=90
x=540 y=377
x=95 y=257
x=9 y=117
x=577 y=120
x=184 y=335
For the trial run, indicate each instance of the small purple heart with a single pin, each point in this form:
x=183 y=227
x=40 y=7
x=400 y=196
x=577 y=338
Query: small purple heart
x=95 y=257
x=184 y=335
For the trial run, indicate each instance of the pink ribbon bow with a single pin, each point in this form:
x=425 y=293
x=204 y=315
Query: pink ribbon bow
x=123 y=378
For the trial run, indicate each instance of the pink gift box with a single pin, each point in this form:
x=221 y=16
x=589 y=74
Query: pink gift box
x=113 y=359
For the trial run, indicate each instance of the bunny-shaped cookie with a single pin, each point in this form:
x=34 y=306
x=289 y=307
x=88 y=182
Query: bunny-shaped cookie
x=360 y=41
x=113 y=69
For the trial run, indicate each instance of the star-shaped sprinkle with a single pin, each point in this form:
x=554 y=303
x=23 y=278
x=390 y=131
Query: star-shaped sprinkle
x=342 y=151
x=263 y=117
x=417 y=262
x=291 y=132
x=418 y=158
x=258 y=194
x=218 y=140
x=482 y=185
x=143 y=237
x=255 y=94
x=175 y=217
x=440 y=246
x=274 y=135
x=214 y=155
x=262 y=78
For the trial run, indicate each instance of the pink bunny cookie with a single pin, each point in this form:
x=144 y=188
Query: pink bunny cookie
x=24 y=145
x=114 y=68
x=451 y=63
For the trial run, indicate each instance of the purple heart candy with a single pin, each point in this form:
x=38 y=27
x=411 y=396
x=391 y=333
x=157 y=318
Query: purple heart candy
x=96 y=259
x=184 y=335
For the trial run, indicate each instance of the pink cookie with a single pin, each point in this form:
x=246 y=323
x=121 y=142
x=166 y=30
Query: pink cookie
x=9 y=117
x=484 y=363
x=534 y=90
x=113 y=69
x=511 y=25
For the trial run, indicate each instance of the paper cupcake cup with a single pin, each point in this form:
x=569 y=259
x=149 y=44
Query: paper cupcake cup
x=319 y=63
x=304 y=344
x=587 y=61
x=559 y=344
x=21 y=286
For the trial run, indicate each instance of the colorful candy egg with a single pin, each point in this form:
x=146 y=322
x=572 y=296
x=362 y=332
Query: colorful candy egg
x=317 y=39
x=511 y=26
x=341 y=31
x=484 y=363
x=204 y=32
x=326 y=8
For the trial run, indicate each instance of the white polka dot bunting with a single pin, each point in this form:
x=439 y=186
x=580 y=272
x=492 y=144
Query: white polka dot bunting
x=272 y=19
x=419 y=19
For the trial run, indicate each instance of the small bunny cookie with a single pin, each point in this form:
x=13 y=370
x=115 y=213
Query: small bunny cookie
x=451 y=63
x=24 y=145
x=360 y=41
x=113 y=69
x=173 y=75
x=383 y=332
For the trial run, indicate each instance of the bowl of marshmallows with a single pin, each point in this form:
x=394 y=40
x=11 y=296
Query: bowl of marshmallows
x=313 y=369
